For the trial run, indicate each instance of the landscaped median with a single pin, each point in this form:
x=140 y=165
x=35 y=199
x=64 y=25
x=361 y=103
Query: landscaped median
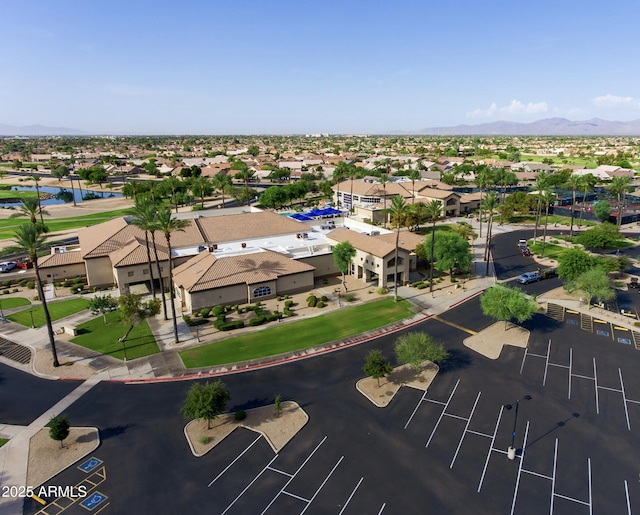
x=296 y=336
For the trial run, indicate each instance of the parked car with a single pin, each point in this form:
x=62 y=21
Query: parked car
x=7 y=266
x=522 y=243
x=529 y=277
x=25 y=265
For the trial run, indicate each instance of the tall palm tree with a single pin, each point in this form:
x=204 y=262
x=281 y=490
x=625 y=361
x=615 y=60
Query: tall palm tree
x=36 y=179
x=352 y=175
x=574 y=182
x=588 y=183
x=541 y=183
x=200 y=186
x=144 y=215
x=31 y=208
x=482 y=180
x=167 y=225
x=221 y=183
x=28 y=240
x=399 y=215
x=384 y=179
x=433 y=211
x=489 y=204
x=174 y=184
x=619 y=186
x=548 y=197
x=246 y=175
x=414 y=175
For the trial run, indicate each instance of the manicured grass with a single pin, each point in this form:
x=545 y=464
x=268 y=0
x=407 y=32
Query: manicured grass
x=551 y=251
x=563 y=220
x=8 y=226
x=299 y=335
x=103 y=338
x=3 y=441
x=57 y=310
x=14 y=302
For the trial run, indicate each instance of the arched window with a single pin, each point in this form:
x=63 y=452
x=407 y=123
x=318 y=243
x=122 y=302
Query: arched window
x=262 y=291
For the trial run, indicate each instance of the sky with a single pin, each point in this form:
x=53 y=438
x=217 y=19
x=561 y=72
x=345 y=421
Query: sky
x=305 y=66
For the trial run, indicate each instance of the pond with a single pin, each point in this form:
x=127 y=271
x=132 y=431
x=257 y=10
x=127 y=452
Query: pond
x=54 y=195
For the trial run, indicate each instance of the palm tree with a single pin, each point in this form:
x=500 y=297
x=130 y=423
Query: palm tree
x=167 y=225
x=246 y=175
x=548 y=197
x=352 y=175
x=482 y=180
x=144 y=214
x=433 y=211
x=221 y=183
x=619 y=186
x=574 y=182
x=174 y=184
x=31 y=208
x=541 y=182
x=36 y=179
x=384 y=180
x=588 y=183
x=489 y=204
x=414 y=175
x=28 y=240
x=200 y=186
x=399 y=215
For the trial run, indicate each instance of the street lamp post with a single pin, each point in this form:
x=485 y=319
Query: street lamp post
x=33 y=326
x=511 y=452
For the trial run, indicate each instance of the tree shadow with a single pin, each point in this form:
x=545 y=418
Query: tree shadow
x=254 y=403
x=457 y=360
x=110 y=432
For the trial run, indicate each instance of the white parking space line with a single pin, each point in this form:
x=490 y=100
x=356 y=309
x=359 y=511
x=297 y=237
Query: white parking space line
x=524 y=447
x=624 y=398
x=493 y=439
x=626 y=493
x=249 y=485
x=523 y=359
x=465 y=430
x=424 y=395
x=537 y=474
x=280 y=472
x=442 y=414
x=479 y=433
x=293 y=476
x=350 y=497
x=295 y=496
x=570 y=365
x=230 y=464
x=595 y=378
x=553 y=479
x=546 y=366
x=382 y=508
x=322 y=485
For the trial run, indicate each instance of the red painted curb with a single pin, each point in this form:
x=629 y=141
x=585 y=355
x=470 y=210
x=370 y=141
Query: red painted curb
x=259 y=366
x=466 y=298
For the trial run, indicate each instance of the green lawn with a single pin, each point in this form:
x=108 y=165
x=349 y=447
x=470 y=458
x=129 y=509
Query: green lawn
x=57 y=310
x=14 y=302
x=299 y=335
x=3 y=441
x=564 y=220
x=551 y=251
x=103 y=338
x=8 y=226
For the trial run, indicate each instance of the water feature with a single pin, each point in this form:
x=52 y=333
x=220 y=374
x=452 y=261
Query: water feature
x=56 y=195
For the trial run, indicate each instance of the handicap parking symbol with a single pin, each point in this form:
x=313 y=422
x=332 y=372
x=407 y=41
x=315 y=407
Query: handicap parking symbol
x=626 y=341
x=94 y=500
x=90 y=464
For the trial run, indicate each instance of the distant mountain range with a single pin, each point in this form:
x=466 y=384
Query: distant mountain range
x=38 y=130
x=546 y=127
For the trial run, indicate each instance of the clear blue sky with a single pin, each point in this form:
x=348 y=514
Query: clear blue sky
x=305 y=66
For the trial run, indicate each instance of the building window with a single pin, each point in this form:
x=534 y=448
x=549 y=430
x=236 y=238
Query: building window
x=145 y=271
x=129 y=274
x=262 y=291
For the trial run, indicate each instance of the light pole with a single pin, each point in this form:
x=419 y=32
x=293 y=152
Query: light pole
x=33 y=326
x=511 y=452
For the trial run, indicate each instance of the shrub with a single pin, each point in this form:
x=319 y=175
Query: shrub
x=15 y=290
x=288 y=303
x=349 y=297
x=228 y=326
x=421 y=286
x=311 y=297
x=35 y=297
x=30 y=285
x=453 y=279
x=618 y=284
x=240 y=415
x=416 y=284
x=6 y=283
x=311 y=302
x=275 y=316
x=383 y=290
x=257 y=321
x=66 y=284
x=204 y=312
x=5 y=291
x=320 y=304
x=204 y=440
x=288 y=312
x=324 y=298
x=278 y=298
x=78 y=280
x=217 y=311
